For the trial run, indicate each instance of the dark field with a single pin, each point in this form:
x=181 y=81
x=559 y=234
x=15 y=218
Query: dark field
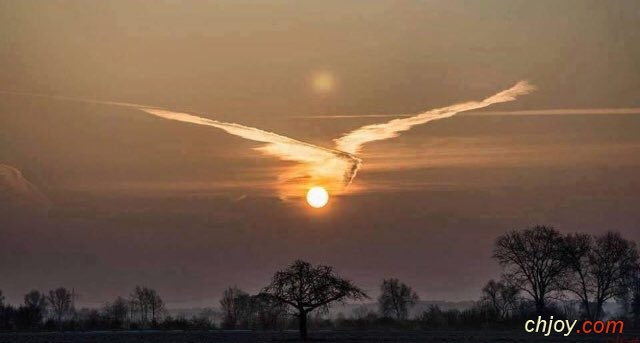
x=319 y=336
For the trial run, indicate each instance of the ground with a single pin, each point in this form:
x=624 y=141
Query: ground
x=321 y=336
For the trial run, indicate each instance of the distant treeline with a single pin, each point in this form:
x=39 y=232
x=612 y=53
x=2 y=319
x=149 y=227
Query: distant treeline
x=545 y=273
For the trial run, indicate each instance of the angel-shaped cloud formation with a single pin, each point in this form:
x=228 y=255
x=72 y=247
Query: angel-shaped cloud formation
x=333 y=169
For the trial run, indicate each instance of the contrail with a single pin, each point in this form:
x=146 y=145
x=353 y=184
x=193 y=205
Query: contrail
x=334 y=169
x=537 y=112
x=562 y=112
x=318 y=165
x=76 y=99
x=352 y=142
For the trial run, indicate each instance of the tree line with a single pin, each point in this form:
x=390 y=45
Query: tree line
x=545 y=273
x=551 y=270
x=56 y=310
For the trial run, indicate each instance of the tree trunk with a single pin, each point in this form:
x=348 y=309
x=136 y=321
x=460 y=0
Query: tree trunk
x=598 y=314
x=540 y=308
x=587 y=308
x=303 y=325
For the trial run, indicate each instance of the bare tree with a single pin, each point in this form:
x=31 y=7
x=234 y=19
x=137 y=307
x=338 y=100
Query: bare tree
x=156 y=305
x=35 y=305
x=601 y=268
x=229 y=306
x=236 y=306
x=241 y=310
x=148 y=304
x=577 y=249
x=7 y=315
x=60 y=301
x=501 y=297
x=117 y=312
x=396 y=299
x=533 y=261
x=611 y=260
x=305 y=288
x=138 y=305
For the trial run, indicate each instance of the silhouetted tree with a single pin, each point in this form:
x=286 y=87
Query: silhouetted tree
x=60 y=301
x=116 y=312
x=148 y=304
x=501 y=297
x=578 y=280
x=156 y=304
x=34 y=309
x=611 y=260
x=601 y=269
x=236 y=308
x=533 y=261
x=7 y=317
x=138 y=305
x=7 y=314
x=305 y=288
x=396 y=299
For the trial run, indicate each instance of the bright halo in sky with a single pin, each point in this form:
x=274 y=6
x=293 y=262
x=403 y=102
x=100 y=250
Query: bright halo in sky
x=317 y=197
x=323 y=82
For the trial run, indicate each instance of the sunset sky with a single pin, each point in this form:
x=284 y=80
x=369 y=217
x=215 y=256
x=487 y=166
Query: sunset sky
x=189 y=210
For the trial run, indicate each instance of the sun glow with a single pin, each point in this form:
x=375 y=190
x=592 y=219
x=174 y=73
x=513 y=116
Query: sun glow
x=317 y=197
x=323 y=82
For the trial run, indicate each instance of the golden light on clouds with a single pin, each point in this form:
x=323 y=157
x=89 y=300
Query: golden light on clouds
x=323 y=82
x=332 y=167
x=317 y=197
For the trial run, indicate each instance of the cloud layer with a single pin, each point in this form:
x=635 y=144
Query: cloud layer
x=334 y=169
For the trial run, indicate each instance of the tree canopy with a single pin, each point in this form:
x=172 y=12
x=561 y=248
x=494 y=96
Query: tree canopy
x=305 y=288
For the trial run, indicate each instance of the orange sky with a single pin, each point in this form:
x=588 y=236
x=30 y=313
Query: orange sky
x=190 y=210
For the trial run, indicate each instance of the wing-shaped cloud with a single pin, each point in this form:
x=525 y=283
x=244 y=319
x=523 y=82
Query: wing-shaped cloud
x=317 y=165
x=352 y=142
x=334 y=169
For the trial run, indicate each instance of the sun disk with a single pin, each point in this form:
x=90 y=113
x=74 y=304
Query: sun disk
x=317 y=197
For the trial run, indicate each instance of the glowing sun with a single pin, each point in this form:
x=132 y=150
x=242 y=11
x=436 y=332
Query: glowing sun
x=317 y=197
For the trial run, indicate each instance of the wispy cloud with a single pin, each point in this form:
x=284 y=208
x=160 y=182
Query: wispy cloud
x=317 y=165
x=352 y=142
x=334 y=169
x=549 y=111
x=16 y=190
x=563 y=111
